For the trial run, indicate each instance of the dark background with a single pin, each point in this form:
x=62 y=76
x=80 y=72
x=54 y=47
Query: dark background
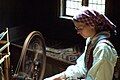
x=24 y=16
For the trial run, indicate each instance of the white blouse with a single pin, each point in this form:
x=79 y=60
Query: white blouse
x=104 y=60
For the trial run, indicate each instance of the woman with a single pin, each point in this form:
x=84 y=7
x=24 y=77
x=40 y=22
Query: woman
x=99 y=57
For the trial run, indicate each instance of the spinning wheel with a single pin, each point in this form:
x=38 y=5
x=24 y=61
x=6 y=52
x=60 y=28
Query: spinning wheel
x=32 y=61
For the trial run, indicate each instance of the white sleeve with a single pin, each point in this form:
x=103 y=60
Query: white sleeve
x=76 y=71
x=103 y=65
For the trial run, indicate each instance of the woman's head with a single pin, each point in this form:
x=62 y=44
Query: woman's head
x=93 y=20
x=84 y=30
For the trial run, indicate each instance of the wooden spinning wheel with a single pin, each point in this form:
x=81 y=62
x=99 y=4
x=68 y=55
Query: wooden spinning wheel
x=32 y=61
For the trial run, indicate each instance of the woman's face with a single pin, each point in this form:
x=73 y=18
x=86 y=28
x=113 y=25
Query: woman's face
x=84 y=30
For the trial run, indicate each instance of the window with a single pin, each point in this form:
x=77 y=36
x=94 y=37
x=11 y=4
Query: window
x=72 y=6
x=69 y=7
x=98 y=5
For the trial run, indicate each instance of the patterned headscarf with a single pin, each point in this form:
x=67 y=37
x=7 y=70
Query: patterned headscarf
x=93 y=18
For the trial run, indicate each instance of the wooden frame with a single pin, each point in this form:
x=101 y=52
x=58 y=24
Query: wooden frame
x=5 y=55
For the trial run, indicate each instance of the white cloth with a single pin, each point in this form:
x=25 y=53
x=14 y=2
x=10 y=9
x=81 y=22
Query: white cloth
x=104 y=60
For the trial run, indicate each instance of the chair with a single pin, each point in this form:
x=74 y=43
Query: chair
x=4 y=55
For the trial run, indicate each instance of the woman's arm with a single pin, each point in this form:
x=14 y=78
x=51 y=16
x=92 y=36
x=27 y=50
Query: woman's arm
x=72 y=72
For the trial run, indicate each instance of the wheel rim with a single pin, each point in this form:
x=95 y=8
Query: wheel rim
x=34 y=56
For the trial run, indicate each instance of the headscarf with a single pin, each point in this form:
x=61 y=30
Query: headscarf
x=93 y=18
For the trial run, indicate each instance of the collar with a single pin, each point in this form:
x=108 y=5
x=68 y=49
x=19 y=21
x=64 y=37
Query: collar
x=99 y=36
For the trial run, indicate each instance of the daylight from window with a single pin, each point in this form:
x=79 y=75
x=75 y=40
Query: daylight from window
x=98 y=5
x=72 y=6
